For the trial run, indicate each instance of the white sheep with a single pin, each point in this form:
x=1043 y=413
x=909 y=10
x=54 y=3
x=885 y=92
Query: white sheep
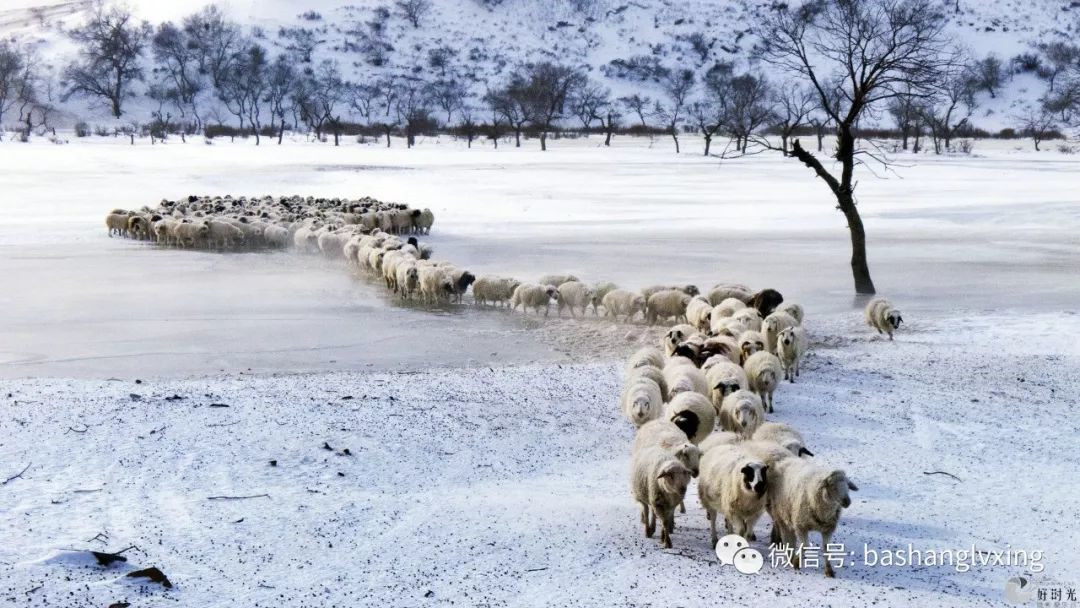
x=793 y=309
x=435 y=285
x=556 y=279
x=725 y=309
x=658 y=481
x=763 y=372
x=641 y=401
x=749 y=317
x=720 y=346
x=741 y=413
x=719 y=293
x=693 y=413
x=724 y=378
x=773 y=325
x=494 y=290
x=675 y=336
x=750 y=342
x=681 y=375
x=689 y=290
x=574 y=295
x=622 y=302
x=734 y=483
x=790 y=348
x=598 y=292
x=664 y=304
x=117 y=223
x=716 y=438
x=646 y=355
x=881 y=315
x=652 y=373
x=531 y=295
x=806 y=497
x=784 y=435
x=407 y=281
x=698 y=313
x=423 y=221
x=664 y=434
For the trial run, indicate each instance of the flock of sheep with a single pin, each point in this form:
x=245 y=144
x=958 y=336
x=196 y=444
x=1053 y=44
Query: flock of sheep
x=699 y=401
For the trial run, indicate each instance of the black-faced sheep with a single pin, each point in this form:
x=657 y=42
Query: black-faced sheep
x=881 y=315
x=734 y=483
x=766 y=301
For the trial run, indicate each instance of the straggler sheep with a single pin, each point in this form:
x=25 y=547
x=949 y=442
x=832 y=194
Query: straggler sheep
x=598 y=292
x=881 y=315
x=621 y=302
x=724 y=378
x=693 y=413
x=741 y=413
x=646 y=355
x=766 y=301
x=531 y=295
x=735 y=484
x=719 y=293
x=806 y=497
x=574 y=295
x=684 y=377
x=664 y=304
x=641 y=401
x=793 y=309
x=790 y=348
x=763 y=372
x=784 y=435
x=556 y=279
x=698 y=311
x=750 y=343
x=659 y=481
x=773 y=325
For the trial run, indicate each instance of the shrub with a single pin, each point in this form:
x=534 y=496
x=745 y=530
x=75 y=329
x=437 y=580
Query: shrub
x=82 y=129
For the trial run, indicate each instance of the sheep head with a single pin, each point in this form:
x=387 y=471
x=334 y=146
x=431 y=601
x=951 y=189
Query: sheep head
x=755 y=477
x=673 y=478
x=835 y=487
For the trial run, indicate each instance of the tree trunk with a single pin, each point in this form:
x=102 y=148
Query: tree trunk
x=675 y=136
x=517 y=137
x=543 y=140
x=783 y=143
x=860 y=270
x=281 y=131
x=708 y=143
x=904 y=137
x=607 y=137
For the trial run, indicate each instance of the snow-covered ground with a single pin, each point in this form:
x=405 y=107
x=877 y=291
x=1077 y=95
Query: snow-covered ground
x=488 y=462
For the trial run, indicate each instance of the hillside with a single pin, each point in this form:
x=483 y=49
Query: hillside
x=615 y=41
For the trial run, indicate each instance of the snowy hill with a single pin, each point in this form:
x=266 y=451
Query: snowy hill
x=615 y=41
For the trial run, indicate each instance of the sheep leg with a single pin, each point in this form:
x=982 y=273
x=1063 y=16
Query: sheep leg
x=825 y=536
x=668 y=524
x=713 y=537
x=682 y=506
x=650 y=521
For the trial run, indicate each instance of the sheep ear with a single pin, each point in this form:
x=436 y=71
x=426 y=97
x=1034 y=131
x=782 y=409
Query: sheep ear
x=851 y=486
x=805 y=452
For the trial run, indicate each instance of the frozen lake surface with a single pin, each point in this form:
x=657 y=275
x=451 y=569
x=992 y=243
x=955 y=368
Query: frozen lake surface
x=998 y=231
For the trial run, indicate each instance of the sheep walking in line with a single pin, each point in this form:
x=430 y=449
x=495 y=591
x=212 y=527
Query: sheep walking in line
x=773 y=325
x=694 y=414
x=741 y=413
x=763 y=373
x=556 y=279
x=806 y=497
x=784 y=435
x=881 y=315
x=722 y=292
x=599 y=291
x=791 y=347
x=619 y=302
x=665 y=304
x=497 y=291
x=733 y=482
x=642 y=401
x=658 y=482
x=531 y=295
x=574 y=295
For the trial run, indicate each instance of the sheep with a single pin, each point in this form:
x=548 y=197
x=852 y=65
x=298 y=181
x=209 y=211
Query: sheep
x=720 y=346
x=733 y=482
x=664 y=304
x=572 y=295
x=750 y=317
x=435 y=286
x=773 y=325
x=719 y=293
x=690 y=290
x=716 y=438
x=790 y=348
x=531 y=295
x=224 y=233
x=461 y=280
x=698 y=313
x=727 y=308
x=658 y=481
x=163 y=228
x=675 y=336
x=644 y=356
x=650 y=372
x=138 y=227
x=881 y=315
x=750 y=342
x=784 y=435
x=117 y=222
x=724 y=378
x=763 y=373
x=680 y=376
x=598 y=292
x=766 y=301
x=621 y=302
x=693 y=413
x=407 y=280
x=641 y=401
x=423 y=221
x=556 y=279
x=741 y=413
x=493 y=289
x=192 y=232
x=665 y=434
x=806 y=497
x=793 y=309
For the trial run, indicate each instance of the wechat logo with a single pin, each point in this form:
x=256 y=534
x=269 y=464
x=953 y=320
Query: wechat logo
x=733 y=550
x=1019 y=590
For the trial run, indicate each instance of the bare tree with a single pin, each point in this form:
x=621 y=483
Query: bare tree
x=1061 y=57
x=987 y=74
x=12 y=66
x=639 y=105
x=746 y=108
x=495 y=101
x=588 y=101
x=281 y=82
x=547 y=88
x=949 y=107
x=319 y=97
x=678 y=86
x=467 y=123
x=793 y=106
x=870 y=51
x=414 y=11
x=216 y=41
x=178 y=59
x=111 y=44
x=414 y=109
x=513 y=103
x=31 y=94
x=1038 y=123
x=905 y=110
x=448 y=95
x=243 y=89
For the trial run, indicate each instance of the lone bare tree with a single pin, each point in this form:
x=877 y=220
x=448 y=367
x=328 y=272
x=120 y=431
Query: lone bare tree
x=414 y=11
x=948 y=108
x=111 y=44
x=678 y=86
x=855 y=54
